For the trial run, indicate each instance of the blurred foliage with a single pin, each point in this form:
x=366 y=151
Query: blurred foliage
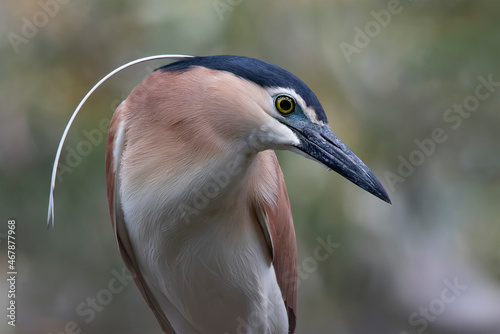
x=444 y=221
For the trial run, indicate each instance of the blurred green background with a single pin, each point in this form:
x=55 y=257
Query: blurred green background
x=384 y=84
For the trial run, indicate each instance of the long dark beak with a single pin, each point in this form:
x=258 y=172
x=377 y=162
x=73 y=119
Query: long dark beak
x=322 y=145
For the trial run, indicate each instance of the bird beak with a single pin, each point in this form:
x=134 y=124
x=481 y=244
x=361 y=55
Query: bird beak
x=319 y=143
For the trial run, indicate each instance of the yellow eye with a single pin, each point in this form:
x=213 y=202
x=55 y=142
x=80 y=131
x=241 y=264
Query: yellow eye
x=285 y=104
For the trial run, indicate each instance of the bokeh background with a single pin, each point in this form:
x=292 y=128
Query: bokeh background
x=393 y=265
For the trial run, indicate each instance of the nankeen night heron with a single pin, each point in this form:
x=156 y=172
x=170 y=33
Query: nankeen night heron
x=197 y=197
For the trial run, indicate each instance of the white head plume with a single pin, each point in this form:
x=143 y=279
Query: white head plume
x=50 y=215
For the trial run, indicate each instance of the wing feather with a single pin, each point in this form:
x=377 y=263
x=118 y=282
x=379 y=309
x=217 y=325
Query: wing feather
x=279 y=224
x=116 y=143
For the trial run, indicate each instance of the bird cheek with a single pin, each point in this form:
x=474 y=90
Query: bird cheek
x=272 y=135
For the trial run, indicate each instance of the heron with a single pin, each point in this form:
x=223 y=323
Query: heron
x=197 y=198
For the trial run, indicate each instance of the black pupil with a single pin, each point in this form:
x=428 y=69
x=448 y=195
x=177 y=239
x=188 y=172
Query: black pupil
x=285 y=104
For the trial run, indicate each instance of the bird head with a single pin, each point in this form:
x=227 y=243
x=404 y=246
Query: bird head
x=279 y=110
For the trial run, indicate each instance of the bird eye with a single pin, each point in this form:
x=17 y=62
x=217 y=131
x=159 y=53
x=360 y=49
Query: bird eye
x=285 y=104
